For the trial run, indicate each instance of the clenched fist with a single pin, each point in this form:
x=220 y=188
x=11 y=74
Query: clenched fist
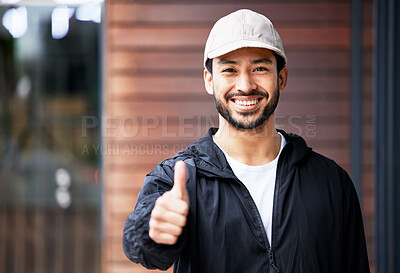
x=170 y=211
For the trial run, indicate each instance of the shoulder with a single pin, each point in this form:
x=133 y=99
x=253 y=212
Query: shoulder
x=165 y=169
x=307 y=159
x=325 y=172
x=166 y=166
x=326 y=164
x=321 y=161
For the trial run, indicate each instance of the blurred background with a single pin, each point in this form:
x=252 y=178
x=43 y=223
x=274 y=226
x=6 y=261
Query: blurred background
x=50 y=77
x=95 y=93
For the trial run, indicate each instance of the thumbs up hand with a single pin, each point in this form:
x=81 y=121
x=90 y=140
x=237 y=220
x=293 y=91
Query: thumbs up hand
x=170 y=211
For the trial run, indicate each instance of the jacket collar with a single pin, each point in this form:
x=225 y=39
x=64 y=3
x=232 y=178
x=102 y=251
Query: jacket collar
x=211 y=161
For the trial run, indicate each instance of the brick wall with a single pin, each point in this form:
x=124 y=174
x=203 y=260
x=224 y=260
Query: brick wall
x=154 y=101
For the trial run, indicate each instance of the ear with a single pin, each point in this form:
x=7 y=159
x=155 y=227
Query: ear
x=283 y=77
x=208 y=82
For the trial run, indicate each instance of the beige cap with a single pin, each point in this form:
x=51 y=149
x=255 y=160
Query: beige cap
x=242 y=28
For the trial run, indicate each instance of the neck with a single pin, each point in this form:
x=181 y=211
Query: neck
x=252 y=147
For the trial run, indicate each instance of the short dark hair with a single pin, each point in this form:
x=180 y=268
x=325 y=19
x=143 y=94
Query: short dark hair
x=280 y=63
x=209 y=65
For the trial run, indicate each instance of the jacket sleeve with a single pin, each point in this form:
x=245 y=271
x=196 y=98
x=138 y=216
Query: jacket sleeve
x=137 y=244
x=354 y=254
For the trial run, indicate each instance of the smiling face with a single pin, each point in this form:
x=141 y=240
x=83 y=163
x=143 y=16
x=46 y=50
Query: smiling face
x=246 y=85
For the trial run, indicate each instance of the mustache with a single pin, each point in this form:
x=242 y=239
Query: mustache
x=251 y=93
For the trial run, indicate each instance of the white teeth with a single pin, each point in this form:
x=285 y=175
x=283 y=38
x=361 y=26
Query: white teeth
x=246 y=102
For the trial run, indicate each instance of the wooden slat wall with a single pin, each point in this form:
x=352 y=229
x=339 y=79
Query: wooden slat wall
x=42 y=240
x=155 y=102
x=368 y=186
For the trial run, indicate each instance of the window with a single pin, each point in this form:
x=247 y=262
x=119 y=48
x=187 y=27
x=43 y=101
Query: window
x=49 y=191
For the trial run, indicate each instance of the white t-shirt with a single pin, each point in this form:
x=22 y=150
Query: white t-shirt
x=260 y=181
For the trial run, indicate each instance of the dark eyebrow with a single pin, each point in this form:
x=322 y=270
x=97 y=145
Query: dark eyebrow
x=258 y=61
x=225 y=61
x=264 y=60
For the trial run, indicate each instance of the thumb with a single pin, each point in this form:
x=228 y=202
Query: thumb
x=180 y=175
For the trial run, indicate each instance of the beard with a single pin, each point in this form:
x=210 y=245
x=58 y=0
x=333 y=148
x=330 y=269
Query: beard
x=265 y=114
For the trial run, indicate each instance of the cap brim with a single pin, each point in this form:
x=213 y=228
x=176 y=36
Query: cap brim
x=241 y=44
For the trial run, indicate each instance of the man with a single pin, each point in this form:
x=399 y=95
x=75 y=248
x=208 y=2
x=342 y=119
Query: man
x=247 y=197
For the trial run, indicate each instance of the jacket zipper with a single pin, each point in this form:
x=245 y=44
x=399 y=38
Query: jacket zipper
x=275 y=201
x=269 y=247
x=272 y=261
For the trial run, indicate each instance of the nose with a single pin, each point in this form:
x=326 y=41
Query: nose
x=245 y=83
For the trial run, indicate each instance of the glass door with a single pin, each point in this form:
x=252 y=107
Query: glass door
x=49 y=191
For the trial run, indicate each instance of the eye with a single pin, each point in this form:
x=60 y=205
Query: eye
x=228 y=70
x=261 y=68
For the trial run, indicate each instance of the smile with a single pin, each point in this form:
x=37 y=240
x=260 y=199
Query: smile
x=246 y=102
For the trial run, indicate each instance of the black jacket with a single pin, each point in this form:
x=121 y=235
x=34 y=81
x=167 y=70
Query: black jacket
x=316 y=226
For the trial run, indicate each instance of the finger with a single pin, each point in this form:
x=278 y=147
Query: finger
x=163 y=238
x=180 y=176
x=162 y=215
x=169 y=202
x=164 y=227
